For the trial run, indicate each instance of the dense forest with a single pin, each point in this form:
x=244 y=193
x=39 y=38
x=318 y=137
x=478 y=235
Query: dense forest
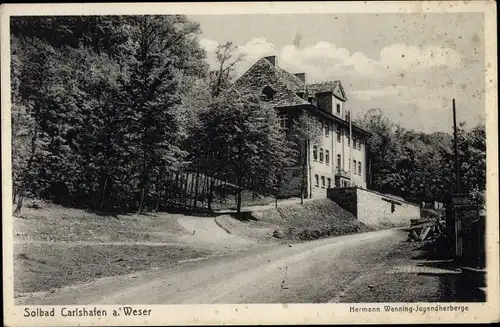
x=420 y=166
x=123 y=113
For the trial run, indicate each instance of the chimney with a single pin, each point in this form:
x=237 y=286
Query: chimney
x=273 y=60
x=302 y=76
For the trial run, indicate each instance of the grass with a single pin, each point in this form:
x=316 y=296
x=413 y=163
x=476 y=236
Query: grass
x=57 y=246
x=312 y=220
x=247 y=200
x=45 y=267
x=56 y=223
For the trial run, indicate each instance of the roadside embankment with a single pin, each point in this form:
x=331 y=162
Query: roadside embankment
x=300 y=222
x=55 y=246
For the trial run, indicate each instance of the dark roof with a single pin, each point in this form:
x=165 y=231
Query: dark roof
x=322 y=87
x=263 y=74
x=286 y=85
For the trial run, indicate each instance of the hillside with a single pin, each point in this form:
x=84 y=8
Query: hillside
x=311 y=220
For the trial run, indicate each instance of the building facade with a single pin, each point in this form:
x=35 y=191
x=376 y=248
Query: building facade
x=339 y=158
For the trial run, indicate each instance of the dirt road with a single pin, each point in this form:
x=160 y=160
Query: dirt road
x=317 y=271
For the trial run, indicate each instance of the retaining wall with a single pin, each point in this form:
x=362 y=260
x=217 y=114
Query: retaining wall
x=373 y=208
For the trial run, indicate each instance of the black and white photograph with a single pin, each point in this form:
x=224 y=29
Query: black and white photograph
x=249 y=158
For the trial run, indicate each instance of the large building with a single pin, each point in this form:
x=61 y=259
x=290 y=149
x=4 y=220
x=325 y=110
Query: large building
x=329 y=163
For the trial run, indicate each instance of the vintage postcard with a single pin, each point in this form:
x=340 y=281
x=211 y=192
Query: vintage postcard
x=249 y=163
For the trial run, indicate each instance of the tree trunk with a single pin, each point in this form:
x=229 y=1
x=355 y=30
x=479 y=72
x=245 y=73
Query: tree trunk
x=224 y=195
x=20 y=200
x=142 y=200
x=308 y=159
x=26 y=172
x=303 y=174
x=238 y=201
x=184 y=190
x=191 y=189
x=103 y=193
x=158 y=196
x=370 y=181
x=210 y=193
x=204 y=189
x=195 y=199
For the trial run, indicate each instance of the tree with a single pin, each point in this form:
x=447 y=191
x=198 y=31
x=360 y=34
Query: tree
x=307 y=131
x=240 y=141
x=472 y=159
x=163 y=45
x=383 y=152
x=227 y=56
x=421 y=166
x=96 y=107
x=32 y=78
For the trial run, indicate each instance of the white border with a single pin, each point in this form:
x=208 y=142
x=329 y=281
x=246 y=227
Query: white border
x=262 y=313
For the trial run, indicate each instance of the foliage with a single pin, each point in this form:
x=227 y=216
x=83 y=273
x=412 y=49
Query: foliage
x=240 y=141
x=307 y=131
x=97 y=105
x=420 y=166
x=227 y=57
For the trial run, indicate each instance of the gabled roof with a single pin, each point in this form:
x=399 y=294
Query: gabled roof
x=334 y=87
x=322 y=87
x=263 y=74
x=286 y=86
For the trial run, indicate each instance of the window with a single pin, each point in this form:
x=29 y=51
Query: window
x=321 y=154
x=354 y=166
x=300 y=95
x=317 y=180
x=315 y=153
x=359 y=168
x=327 y=130
x=323 y=181
x=329 y=181
x=267 y=94
x=284 y=121
x=354 y=142
x=359 y=144
x=348 y=140
x=339 y=134
x=338 y=108
x=327 y=157
x=339 y=161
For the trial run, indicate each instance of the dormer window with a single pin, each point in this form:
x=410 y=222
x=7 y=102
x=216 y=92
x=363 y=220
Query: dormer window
x=338 y=108
x=300 y=95
x=312 y=100
x=267 y=94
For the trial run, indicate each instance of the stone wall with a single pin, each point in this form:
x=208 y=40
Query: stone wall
x=373 y=208
x=384 y=210
x=346 y=198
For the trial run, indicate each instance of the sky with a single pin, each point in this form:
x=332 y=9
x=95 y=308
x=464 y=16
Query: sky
x=410 y=66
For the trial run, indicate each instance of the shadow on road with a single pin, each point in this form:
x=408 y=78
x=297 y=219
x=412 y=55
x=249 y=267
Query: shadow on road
x=455 y=284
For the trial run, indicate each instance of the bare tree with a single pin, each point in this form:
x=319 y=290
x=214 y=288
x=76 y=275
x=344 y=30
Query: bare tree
x=307 y=131
x=227 y=56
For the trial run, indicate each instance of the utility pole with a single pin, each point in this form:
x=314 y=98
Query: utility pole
x=457 y=161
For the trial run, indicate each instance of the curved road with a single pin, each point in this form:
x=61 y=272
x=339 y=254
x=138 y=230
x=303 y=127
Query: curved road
x=310 y=272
